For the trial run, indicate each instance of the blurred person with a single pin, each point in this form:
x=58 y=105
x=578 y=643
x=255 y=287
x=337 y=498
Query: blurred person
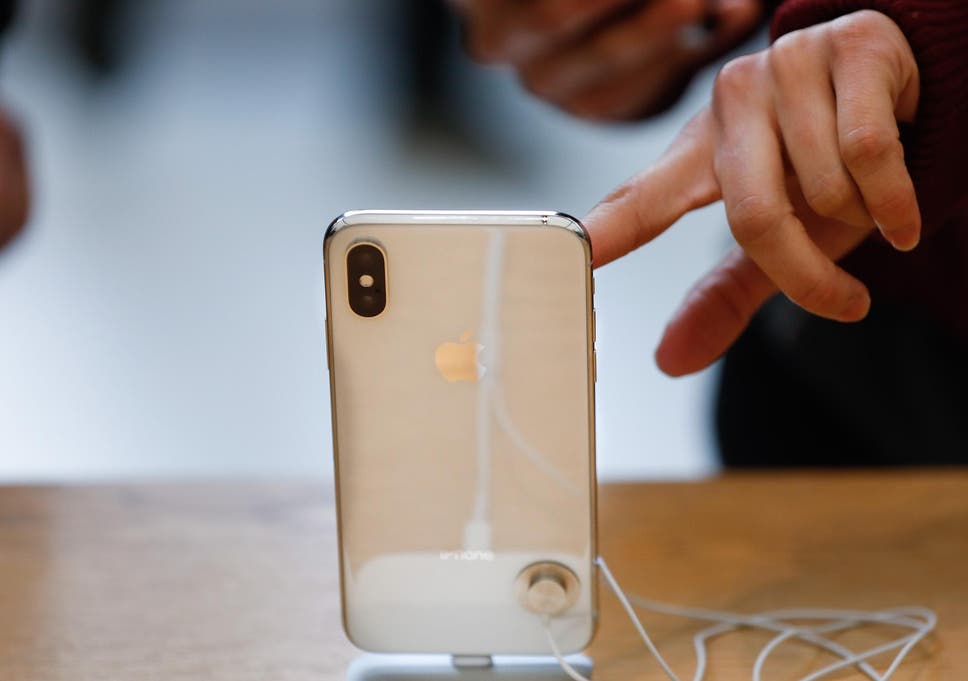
x=837 y=153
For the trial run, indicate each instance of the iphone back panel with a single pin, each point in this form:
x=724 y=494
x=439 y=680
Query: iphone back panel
x=461 y=357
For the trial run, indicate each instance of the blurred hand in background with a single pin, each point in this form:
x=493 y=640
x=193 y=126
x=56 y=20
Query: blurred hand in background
x=14 y=184
x=606 y=59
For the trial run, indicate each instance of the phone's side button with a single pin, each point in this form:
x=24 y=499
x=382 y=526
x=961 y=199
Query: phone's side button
x=329 y=347
x=594 y=346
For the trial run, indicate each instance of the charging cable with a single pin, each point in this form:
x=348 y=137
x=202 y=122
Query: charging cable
x=920 y=621
x=492 y=407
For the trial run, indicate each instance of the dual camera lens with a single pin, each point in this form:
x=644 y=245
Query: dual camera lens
x=366 y=275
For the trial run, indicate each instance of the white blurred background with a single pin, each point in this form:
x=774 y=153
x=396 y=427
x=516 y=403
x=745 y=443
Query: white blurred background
x=162 y=315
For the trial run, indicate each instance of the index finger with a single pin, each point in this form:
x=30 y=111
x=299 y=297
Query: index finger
x=650 y=202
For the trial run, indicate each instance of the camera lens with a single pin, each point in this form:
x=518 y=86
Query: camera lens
x=365 y=257
x=366 y=279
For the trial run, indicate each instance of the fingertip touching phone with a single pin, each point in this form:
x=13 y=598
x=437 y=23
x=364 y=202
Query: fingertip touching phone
x=460 y=348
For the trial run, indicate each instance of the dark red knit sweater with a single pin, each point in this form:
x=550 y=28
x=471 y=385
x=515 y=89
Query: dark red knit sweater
x=932 y=280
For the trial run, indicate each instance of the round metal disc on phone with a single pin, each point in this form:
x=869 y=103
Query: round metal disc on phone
x=547 y=588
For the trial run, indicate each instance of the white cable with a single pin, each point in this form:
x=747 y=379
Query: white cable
x=491 y=404
x=872 y=652
x=905 y=644
x=522 y=445
x=921 y=620
x=562 y=662
x=796 y=632
x=617 y=590
x=809 y=635
x=729 y=622
x=477 y=531
x=850 y=658
x=903 y=652
x=771 y=620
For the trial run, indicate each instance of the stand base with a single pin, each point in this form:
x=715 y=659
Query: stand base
x=373 y=667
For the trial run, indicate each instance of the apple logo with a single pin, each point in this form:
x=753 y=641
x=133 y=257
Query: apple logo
x=459 y=361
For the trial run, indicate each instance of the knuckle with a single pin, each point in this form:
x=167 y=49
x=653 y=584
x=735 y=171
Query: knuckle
x=789 y=56
x=751 y=218
x=620 y=194
x=858 y=28
x=782 y=67
x=868 y=145
x=867 y=34
x=735 y=79
x=787 y=48
x=829 y=194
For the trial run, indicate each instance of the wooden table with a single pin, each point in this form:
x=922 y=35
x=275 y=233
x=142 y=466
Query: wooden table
x=238 y=582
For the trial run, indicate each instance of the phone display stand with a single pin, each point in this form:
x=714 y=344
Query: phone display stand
x=379 y=667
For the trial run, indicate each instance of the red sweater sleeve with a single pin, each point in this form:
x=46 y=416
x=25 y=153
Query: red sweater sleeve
x=936 y=144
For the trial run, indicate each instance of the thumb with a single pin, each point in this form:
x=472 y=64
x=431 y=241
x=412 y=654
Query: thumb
x=713 y=315
x=719 y=307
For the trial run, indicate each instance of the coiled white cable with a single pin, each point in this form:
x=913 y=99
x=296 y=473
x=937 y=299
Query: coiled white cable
x=921 y=620
x=838 y=620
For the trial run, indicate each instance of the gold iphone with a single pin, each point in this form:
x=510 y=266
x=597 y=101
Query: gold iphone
x=461 y=361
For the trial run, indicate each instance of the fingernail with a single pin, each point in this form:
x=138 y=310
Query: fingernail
x=902 y=239
x=906 y=240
